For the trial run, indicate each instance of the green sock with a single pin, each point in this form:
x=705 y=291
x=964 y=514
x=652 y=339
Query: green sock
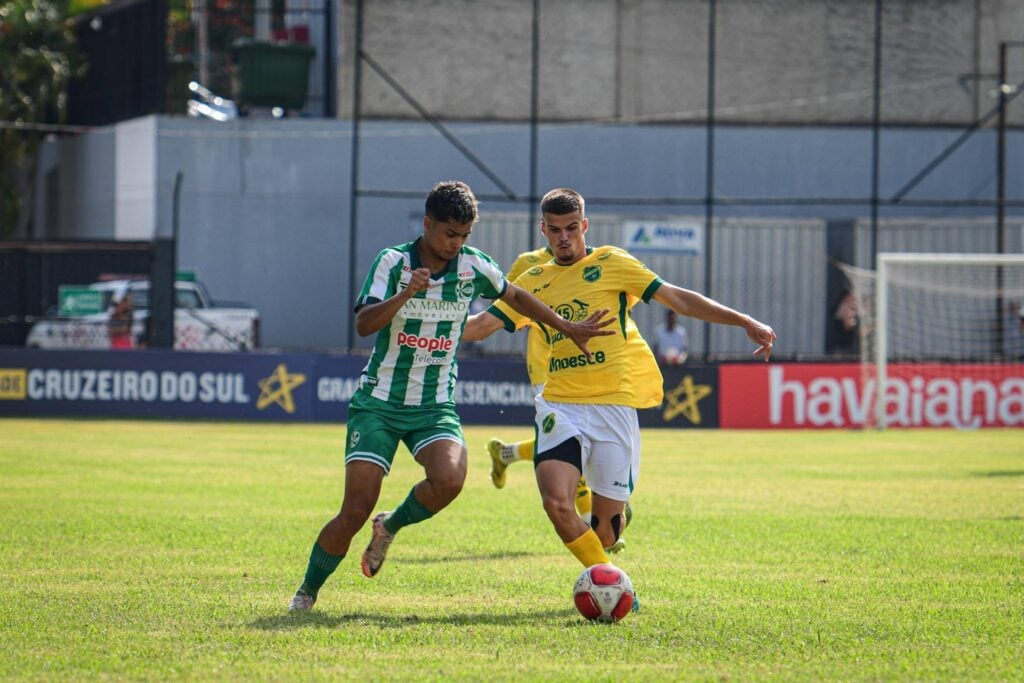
x=409 y=512
x=321 y=565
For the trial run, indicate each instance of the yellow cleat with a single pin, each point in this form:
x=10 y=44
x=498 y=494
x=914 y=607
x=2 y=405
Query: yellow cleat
x=498 y=467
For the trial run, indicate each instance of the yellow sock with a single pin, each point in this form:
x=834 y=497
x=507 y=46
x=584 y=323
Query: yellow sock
x=587 y=549
x=584 y=500
x=524 y=449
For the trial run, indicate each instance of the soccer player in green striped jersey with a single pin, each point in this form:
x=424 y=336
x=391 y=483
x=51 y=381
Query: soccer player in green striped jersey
x=416 y=298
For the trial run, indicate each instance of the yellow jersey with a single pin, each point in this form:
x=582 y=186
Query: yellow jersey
x=623 y=370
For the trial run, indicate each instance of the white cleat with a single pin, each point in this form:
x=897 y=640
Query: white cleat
x=301 y=603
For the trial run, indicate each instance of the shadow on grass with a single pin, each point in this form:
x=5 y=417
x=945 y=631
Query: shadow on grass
x=485 y=557
x=321 y=619
x=1000 y=473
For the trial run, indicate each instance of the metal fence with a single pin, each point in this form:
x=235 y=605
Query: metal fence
x=857 y=72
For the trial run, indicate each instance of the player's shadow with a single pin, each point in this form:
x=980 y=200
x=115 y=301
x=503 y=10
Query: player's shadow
x=1000 y=473
x=484 y=557
x=322 y=619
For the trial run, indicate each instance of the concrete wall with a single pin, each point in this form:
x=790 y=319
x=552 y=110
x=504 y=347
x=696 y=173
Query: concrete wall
x=776 y=61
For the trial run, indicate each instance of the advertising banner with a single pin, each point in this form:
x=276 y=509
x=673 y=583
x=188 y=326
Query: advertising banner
x=691 y=398
x=262 y=386
x=156 y=384
x=678 y=237
x=793 y=395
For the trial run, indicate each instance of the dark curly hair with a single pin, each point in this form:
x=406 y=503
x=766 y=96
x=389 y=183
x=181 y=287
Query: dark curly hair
x=452 y=200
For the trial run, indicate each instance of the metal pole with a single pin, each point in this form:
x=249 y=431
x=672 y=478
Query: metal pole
x=876 y=130
x=330 y=61
x=353 y=214
x=881 y=339
x=201 y=17
x=1001 y=197
x=179 y=178
x=1001 y=156
x=533 y=211
x=709 y=166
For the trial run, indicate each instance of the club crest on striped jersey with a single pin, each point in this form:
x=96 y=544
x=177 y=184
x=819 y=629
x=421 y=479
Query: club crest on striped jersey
x=465 y=290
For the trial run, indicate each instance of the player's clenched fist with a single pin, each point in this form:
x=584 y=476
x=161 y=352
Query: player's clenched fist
x=419 y=280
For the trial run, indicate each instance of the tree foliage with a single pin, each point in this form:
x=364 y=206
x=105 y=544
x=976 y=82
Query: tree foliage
x=39 y=59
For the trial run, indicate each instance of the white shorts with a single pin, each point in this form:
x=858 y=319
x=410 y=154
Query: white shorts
x=609 y=439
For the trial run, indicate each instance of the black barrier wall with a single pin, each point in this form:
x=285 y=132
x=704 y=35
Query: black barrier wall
x=282 y=387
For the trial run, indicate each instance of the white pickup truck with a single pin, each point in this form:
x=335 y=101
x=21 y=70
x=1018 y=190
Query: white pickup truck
x=199 y=323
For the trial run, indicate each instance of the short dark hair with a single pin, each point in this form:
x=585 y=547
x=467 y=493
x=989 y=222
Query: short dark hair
x=562 y=201
x=452 y=200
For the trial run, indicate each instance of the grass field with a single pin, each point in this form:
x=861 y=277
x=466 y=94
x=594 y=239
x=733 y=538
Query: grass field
x=169 y=550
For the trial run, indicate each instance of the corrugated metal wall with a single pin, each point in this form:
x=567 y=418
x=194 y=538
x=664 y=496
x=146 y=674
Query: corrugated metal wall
x=943 y=236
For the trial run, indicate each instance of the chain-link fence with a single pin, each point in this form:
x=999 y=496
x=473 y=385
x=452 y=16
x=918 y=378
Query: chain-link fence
x=791 y=133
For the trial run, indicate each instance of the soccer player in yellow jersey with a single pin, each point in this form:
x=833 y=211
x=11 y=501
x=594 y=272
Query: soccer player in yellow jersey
x=537 y=355
x=586 y=421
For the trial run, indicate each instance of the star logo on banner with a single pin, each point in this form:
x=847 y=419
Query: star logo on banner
x=685 y=400
x=278 y=389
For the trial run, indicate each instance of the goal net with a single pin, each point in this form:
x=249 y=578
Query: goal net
x=941 y=340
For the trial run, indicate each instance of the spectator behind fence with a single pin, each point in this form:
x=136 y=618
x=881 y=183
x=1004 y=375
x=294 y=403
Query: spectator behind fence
x=120 y=326
x=671 y=345
x=845 y=324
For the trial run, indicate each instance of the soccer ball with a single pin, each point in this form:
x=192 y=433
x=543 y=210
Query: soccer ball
x=603 y=593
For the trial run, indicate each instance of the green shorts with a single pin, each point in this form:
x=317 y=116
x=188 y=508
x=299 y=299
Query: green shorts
x=375 y=428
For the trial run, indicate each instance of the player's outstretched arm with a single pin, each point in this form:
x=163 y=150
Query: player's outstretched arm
x=579 y=332
x=690 y=303
x=480 y=326
x=373 y=317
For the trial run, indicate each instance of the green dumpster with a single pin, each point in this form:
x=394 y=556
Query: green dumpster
x=265 y=74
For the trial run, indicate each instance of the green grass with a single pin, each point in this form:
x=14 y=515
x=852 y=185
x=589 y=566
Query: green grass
x=169 y=550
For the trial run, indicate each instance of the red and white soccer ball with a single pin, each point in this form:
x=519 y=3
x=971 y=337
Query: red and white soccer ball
x=604 y=593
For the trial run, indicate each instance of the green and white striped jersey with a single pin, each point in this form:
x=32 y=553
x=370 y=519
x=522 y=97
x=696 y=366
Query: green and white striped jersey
x=414 y=358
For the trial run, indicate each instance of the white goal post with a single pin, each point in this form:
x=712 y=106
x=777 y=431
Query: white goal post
x=942 y=339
